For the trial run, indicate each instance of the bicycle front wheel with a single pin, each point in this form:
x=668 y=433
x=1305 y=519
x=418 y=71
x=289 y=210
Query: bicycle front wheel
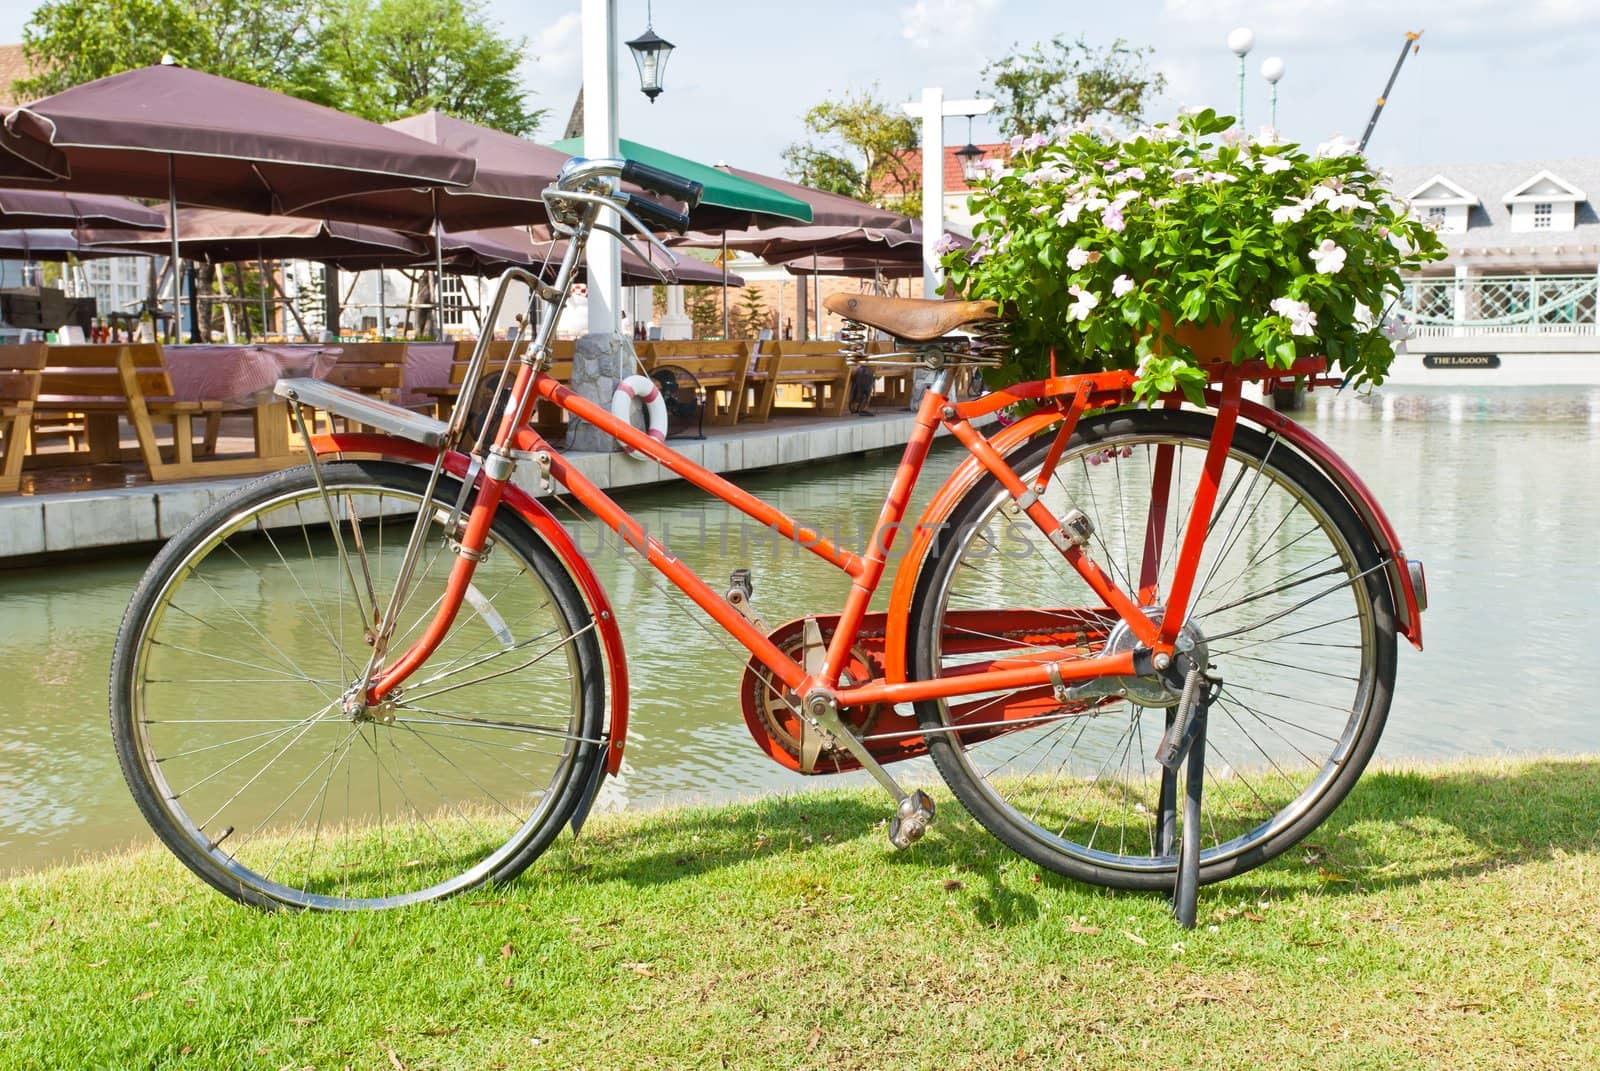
x=1290 y=607
x=250 y=627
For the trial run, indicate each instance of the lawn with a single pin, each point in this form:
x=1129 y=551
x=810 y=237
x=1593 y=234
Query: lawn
x=1446 y=916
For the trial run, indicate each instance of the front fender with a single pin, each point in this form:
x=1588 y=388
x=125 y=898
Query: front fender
x=1408 y=602
x=551 y=531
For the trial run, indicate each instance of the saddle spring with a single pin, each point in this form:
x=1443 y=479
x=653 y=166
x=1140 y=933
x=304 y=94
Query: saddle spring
x=853 y=340
x=991 y=342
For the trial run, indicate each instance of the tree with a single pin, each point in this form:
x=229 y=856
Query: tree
x=701 y=305
x=1069 y=82
x=751 y=315
x=379 y=59
x=862 y=148
x=268 y=43
x=392 y=58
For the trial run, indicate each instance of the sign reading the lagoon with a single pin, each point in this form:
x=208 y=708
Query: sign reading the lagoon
x=1461 y=360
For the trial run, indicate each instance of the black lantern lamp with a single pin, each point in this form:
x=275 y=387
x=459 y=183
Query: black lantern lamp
x=650 y=52
x=971 y=158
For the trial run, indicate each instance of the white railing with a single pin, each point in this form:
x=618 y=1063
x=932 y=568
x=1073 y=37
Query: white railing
x=1503 y=305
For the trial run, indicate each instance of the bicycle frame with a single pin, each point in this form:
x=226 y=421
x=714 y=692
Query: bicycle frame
x=1065 y=400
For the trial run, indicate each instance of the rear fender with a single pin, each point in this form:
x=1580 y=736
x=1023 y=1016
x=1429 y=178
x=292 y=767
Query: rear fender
x=551 y=531
x=1408 y=601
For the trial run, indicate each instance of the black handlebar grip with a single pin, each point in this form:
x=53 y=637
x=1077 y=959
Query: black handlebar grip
x=663 y=182
x=657 y=215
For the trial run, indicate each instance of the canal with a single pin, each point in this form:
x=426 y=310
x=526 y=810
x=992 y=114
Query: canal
x=1496 y=491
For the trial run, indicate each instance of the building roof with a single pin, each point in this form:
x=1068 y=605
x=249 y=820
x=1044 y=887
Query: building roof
x=13 y=67
x=954 y=181
x=1489 y=221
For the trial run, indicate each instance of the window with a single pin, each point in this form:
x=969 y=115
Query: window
x=453 y=297
x=1541 y=216
x=1436 y=214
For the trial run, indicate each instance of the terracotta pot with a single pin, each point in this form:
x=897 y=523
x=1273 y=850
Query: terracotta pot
x=1211 y=343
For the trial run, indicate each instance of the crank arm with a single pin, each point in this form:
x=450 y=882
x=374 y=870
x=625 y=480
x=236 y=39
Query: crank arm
x=913 y=810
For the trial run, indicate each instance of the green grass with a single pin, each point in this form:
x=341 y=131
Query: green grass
x=1444 y=917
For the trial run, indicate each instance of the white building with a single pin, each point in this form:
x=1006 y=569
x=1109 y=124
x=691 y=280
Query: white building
x=1515 y=302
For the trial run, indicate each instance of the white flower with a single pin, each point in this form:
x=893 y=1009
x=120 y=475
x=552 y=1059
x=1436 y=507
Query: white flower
x=1094 y=202
x=1112 y=219
x=1290 y=212
x=1328 y=257
x=1121 y=285
x=1271 y=165
x=1083 y=302
x=1345 y=202
x=1220 y=176
x=1322 y=193
x=1302 y=321
x=1070 y=210
x=1338 y=145
x=1078 y=257
x=1038 y=210
x=1267 y=135
x=1124 y=197
x=1181 y=175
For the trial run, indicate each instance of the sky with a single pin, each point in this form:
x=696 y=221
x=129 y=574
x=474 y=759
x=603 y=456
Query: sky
x=1494 y=80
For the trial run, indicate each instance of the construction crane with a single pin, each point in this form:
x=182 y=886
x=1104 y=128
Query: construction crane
x=1405 y=50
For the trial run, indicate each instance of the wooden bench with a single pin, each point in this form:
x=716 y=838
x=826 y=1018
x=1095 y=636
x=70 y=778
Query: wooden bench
x=722 y=369
x=19 y=386
x=548 y=419
x=109 y=383
x=817 y=367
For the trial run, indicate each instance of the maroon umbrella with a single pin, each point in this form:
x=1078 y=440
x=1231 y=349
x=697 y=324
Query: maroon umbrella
x=226 y=237
x=167 y=131
x=49 y=245
x=20 y=209
x=827 y=209
x=634 y=269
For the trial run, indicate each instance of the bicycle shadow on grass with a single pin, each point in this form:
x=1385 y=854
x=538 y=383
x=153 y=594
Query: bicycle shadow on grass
x=1397 y=828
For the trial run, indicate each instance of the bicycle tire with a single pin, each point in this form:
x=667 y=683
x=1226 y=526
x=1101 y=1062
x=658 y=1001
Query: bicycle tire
x=1285 y=744
x=248 y=627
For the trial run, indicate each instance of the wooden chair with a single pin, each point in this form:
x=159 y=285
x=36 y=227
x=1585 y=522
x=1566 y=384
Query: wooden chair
x=548 y=419
x=19 y=386
x=816 y=367
x=892 y=386
x=109 y=383
x=722 y=369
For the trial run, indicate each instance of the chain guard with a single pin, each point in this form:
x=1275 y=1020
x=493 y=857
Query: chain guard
x=771 y=709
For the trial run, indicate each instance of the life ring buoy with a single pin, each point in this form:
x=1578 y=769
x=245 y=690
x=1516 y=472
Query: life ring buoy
x=642 y=389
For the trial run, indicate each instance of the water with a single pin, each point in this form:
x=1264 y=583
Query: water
x=1494 y=491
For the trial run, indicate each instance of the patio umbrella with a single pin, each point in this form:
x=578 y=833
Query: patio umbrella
x=530 y=252
x=167 y=131
x=49 y=245
x=827 y=209
x=225 y=237
x=728 y=201
x=23 y=209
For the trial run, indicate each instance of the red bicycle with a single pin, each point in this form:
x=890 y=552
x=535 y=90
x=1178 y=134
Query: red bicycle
x=389 y=675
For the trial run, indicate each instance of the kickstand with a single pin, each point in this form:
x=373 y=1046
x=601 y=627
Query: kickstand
x=1185 y=738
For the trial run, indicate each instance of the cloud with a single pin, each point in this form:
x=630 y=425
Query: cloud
x=945 y=23
x=557 y=46
x=1468 y=25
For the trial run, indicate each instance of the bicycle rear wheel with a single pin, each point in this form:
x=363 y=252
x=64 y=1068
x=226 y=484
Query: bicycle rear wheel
x=1290 y=606
x=248 y=629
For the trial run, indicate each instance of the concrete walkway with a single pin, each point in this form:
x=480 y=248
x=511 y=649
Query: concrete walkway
x=40 y=526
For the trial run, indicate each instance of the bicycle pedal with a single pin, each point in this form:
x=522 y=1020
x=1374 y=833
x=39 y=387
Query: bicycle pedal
x=911 y=819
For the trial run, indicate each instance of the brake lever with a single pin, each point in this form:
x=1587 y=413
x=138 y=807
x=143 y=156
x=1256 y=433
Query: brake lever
x=627 y=241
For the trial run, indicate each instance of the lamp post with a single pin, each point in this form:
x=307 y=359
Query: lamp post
x=1272 y=71
x=932 y=110
x=971 y=158
x=650 y=53
x=1240 y=42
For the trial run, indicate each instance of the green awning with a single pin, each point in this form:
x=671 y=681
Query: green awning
x=723 y=191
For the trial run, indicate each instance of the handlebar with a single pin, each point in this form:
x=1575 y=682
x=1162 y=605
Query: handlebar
x=655 y=213
x=663 y=182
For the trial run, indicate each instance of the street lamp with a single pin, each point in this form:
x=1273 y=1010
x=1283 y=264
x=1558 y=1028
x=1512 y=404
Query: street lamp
x=971 y=158
x=650 y=53
x=1272 y=71
x=1240 y=41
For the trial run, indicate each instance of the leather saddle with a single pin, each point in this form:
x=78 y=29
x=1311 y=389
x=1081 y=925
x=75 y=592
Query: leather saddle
x=912 y=319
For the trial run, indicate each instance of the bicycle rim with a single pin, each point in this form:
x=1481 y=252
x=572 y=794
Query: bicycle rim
x=1290 y=608
x=249 y=629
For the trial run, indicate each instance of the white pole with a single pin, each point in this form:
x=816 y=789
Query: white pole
x=932 y=110
x=600 y=140
x=932 y=188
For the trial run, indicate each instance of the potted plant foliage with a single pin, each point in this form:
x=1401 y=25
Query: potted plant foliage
x=1110 y=252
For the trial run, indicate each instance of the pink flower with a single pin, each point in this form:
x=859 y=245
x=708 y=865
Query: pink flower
x=1328 y=257
x=1078 y=257
x=1083 y=303
x=946 y=242
x=1302 y=321
x=1112 y=219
